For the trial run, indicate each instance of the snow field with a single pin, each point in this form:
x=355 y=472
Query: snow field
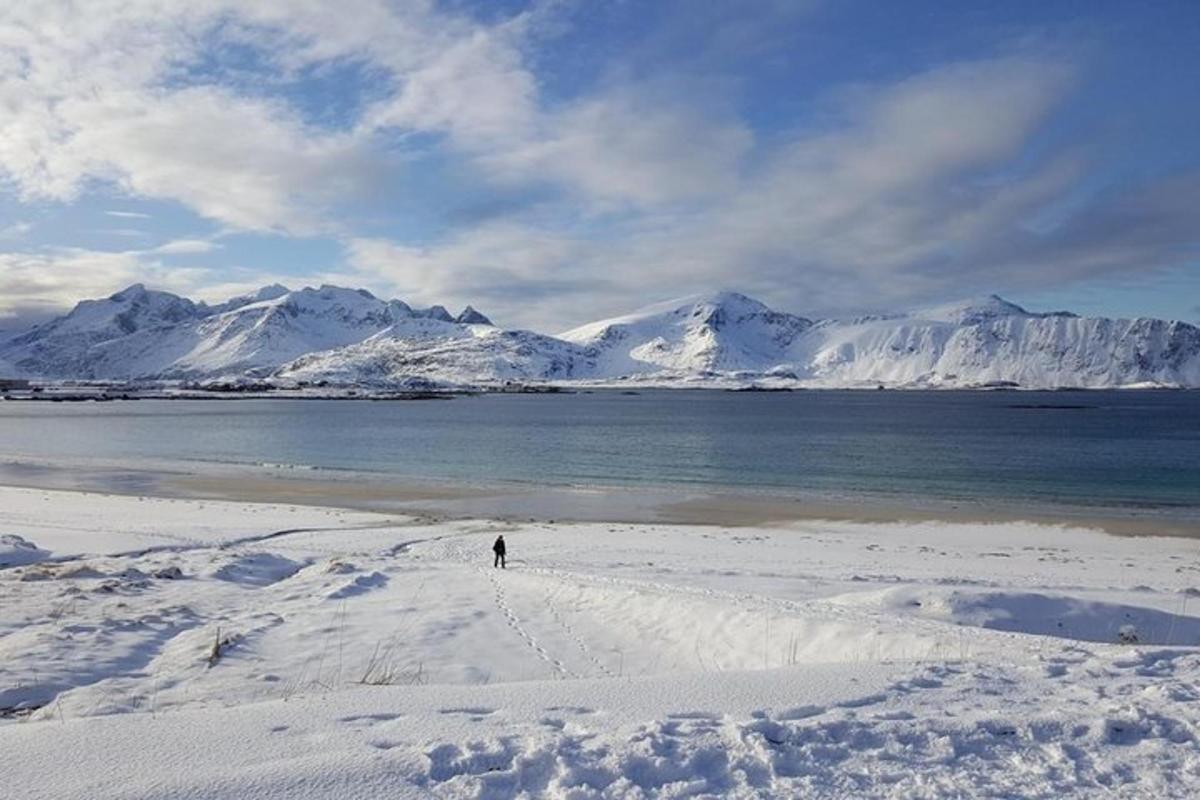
x=271 y=651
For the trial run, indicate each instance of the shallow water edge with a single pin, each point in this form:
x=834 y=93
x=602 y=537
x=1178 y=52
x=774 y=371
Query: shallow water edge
x=546 y=503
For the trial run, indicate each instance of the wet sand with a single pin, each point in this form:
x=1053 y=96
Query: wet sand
x=740 y=510
x=518 y=502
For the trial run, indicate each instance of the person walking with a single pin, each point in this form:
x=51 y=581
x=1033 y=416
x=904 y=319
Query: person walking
x=499 y=549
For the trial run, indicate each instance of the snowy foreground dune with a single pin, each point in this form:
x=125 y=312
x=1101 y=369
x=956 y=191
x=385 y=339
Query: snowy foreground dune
x=169 y=648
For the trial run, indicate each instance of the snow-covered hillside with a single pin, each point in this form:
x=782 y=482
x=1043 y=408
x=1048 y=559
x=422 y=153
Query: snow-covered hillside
x=701 y=335
x=994 y=341
x=346 y=336
x=141 y=334
x=972 y=343
x=445 y=353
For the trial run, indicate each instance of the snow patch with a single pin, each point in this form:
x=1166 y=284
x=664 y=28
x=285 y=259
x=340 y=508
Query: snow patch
x=18 y=552
x=1063 y=616
x=257 y=569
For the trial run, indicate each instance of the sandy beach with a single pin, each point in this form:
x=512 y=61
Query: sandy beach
x=511 y=501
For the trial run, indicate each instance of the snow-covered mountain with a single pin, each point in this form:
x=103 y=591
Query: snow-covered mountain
x=971 y=343
x=142 y=334
x=345 y=336
x=724 y=332
x=271 y=292
x=447 y=353
x=995 y=341
x=727 y=338
x=74 y=346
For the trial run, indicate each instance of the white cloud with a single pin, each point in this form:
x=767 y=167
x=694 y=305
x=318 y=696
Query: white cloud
x=15 y=230
x=44 y=283
x=894 y=184
x=185 y=247
x=53 y=280
x=631 y=145
x=475 y=89
x=512 y=268
x=913 y=188
x=126 y=233
x=105 y=91
x=912 y=194
x=913 y=174
x=271 y=175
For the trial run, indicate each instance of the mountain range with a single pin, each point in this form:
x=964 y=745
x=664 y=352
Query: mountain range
x=337 y=336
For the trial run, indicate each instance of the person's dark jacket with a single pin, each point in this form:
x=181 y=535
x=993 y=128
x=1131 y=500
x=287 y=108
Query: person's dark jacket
x=498 y=547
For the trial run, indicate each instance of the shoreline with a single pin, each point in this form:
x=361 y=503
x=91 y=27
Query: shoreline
x=678 y=505
x=103 y=392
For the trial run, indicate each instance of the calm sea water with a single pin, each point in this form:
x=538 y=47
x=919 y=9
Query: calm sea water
x=1139 y=449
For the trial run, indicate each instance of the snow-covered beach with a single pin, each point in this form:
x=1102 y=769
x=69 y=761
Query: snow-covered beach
x=167 y=647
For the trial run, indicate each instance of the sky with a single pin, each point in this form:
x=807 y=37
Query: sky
x=551 y=162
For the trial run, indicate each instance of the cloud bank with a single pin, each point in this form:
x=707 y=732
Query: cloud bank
x=307 y=120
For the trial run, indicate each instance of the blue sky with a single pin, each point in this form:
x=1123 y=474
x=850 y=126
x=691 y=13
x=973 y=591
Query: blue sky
x=556 y=161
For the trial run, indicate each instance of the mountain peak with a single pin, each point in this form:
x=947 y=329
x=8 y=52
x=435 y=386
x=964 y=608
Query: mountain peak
x=728 y=297
x=732 y=304
x=972 y=311
x=438 y=313
x=131 y=292
x=263 y=295
x=275 y=290
x=332 y=290
x=132 y=309
x=708 y=305
x=690 y=305
x=138 y=295
x=721 y=299
x=470 y=316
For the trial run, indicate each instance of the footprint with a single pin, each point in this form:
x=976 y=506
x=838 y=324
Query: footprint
x=698 y=715
x=1056 y=670
x=475 y=714
x=859 y=702
x=383 y=744
x=370 y=718
x=515 y=623
x=572 y=709
x=895 y=716
x=448 y=761
x=799 y=712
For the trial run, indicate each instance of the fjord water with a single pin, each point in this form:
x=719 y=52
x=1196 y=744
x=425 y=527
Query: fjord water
x=1114 y=449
